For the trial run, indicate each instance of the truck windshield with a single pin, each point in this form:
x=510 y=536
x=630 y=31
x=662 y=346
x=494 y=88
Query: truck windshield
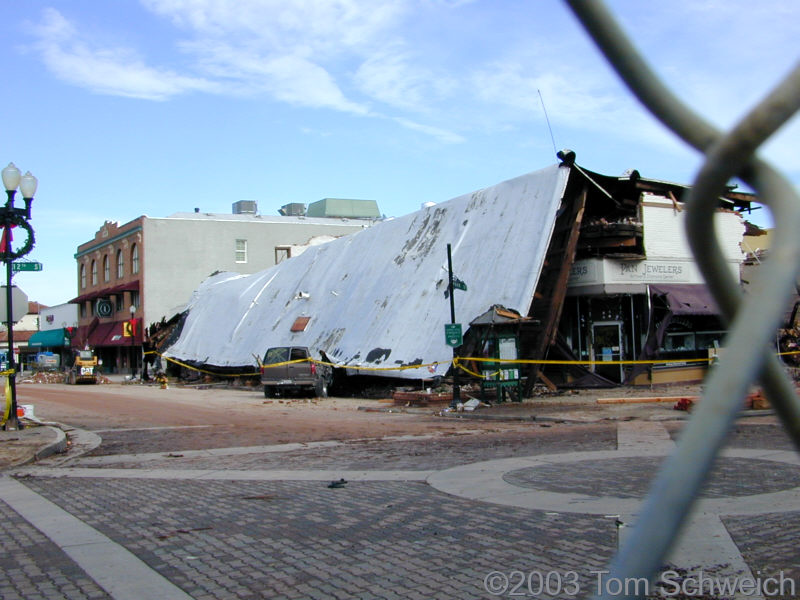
x=276 y=355
x=86 y=355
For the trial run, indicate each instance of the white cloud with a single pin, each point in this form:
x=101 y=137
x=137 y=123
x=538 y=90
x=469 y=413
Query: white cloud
x=289 y=78
x=442 y=135
x=115 y=71
x=393 y=77
x=330 y=25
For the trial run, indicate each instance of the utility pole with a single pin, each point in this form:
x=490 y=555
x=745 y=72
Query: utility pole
x=456 y=379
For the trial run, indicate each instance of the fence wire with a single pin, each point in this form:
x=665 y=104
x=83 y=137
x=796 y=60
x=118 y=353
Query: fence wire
x=752 y=319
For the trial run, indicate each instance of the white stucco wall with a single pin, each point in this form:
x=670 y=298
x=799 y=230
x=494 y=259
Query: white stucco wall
x=64 y=315
x=665 y=231
x=180 y=252
x=669 y=257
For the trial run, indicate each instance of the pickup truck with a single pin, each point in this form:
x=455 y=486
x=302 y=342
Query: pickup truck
x=278 y=377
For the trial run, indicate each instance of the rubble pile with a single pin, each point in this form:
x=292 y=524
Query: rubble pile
x=46 y=377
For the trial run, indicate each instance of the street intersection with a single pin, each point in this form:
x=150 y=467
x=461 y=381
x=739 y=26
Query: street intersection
x=478 y=514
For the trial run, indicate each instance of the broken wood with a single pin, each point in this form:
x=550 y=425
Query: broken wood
x=550 y=385
x=646 y=399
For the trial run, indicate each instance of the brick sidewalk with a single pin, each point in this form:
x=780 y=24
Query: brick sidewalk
x=367 y=539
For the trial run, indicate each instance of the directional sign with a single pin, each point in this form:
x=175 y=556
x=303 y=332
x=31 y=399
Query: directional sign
x=452 y=334
x=26 y=266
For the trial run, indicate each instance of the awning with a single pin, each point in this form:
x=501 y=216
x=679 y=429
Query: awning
x=131 y=286
x=110 y=334
x=687 y=299
x=52 y=338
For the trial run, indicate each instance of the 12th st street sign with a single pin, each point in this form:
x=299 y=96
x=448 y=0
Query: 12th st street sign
x=26 y=266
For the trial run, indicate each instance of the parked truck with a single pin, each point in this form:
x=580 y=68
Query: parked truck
x=289 y=369
x=84 y=369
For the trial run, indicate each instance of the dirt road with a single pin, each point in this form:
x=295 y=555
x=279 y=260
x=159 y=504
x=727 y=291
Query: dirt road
x=139 y=418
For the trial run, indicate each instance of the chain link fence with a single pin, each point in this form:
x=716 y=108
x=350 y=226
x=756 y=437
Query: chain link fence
x=752 y=319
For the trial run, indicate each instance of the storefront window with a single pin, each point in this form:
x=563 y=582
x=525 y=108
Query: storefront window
x=693 y=334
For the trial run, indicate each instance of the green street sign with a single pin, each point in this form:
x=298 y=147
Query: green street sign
x=26 y=266
x=459 y=285
x=452 y=334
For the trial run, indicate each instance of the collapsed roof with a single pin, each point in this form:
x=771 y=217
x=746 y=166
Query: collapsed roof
x=377 y=298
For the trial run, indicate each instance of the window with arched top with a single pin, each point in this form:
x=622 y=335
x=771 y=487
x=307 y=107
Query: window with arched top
x=106 y=268
x=83 y=276
x=94 y=272
x=120 y=264
x=135 y=259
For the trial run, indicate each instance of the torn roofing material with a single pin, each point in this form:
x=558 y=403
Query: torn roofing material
x=376 y=299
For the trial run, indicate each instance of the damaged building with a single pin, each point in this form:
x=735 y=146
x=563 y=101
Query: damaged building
x=146 y=269
x=597 y=268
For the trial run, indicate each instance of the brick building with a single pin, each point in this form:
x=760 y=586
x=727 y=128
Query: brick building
x=147 y=269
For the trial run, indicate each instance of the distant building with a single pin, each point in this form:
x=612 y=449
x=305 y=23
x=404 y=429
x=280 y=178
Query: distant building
x=148 y=268
x=24 y=329
x=56 y=327
x=342 y=207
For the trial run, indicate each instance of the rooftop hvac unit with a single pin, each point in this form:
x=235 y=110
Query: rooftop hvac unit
x=245 y=207
x=294 y=209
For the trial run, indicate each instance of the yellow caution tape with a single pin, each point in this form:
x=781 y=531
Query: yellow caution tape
x=360 y=368
x=525 y=361
x=190 y=367
x=7 y=410
x=457 y=362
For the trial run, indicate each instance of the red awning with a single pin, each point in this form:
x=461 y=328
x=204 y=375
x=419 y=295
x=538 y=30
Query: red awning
x=131 y=286
x=110 y=334
x=687 y=299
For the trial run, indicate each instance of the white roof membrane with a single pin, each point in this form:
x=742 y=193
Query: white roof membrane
x=376 y=298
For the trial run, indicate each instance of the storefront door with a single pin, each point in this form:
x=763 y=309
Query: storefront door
x=607 y=346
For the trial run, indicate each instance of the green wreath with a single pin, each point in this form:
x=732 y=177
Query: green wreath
x=18 y=221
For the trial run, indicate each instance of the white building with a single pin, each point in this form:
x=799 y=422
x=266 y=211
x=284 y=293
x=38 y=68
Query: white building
x=147 y=269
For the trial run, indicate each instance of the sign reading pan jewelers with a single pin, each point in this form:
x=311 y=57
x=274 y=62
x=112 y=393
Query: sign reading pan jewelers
x=605 y=271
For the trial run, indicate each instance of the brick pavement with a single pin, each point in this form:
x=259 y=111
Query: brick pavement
x=302 y=539
x=34 y=568
x=630 y=477
x=375 y=539
x=769 y=544
x=429 y=452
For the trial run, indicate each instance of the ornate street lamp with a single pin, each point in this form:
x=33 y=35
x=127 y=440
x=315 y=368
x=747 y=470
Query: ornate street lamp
x=10 y=218
x=133 y=340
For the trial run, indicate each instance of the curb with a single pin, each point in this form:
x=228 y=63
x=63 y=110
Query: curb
x=56 y=447
x=81 y=442
x=478 y=416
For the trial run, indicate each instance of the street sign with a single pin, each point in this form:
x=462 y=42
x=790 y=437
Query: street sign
x=459 y=285
x=26 y=266
x=452 y=334
x=19 y=304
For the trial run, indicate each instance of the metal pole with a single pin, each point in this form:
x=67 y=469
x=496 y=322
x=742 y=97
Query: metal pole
x=456 y=369
x=133 y=343
x=13 y=421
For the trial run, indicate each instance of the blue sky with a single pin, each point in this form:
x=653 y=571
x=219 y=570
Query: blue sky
x=131 y=107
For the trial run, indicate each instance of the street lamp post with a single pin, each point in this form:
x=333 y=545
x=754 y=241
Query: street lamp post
x=12 y=217
x=133 y=339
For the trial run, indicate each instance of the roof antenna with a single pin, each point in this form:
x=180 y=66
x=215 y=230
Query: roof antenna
x=546 y=118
